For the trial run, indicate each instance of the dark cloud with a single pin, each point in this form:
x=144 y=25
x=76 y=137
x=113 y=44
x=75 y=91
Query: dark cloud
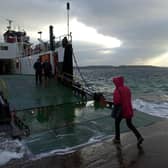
x=33 y=13
x=141 y=25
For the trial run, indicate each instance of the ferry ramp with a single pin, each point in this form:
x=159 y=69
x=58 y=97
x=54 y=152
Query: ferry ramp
x=23 y=93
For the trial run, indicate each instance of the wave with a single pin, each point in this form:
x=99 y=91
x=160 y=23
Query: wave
x=155 y=109
x=11 y=149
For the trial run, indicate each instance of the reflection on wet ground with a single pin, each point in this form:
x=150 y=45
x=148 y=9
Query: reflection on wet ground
x=65 y=127
x=122 y=162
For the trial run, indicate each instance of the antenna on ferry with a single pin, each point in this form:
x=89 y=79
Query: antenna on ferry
x=68 y=8
x=10 y=23
x=40 y=32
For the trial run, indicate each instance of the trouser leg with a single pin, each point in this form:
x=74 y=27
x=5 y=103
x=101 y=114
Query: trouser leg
x=36 y=77
x=132 y=127
x=40 y=78
x=45 y=76
x=117 y=128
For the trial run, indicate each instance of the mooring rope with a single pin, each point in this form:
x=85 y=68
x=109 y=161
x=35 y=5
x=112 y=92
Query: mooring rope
x=83 y=79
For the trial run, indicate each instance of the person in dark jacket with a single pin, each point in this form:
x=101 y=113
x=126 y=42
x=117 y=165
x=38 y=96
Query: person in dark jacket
x=122 y=96
x=47 y=69
x=38 y=71
x=68 y=61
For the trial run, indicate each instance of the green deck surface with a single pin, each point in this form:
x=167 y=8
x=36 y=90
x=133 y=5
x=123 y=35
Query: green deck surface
x=70 y=125
x=22 y=92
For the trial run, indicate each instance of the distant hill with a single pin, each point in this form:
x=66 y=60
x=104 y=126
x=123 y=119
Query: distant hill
x=121 y=66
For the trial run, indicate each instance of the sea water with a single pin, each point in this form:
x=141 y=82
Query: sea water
x=149 y=85
x=80 y=125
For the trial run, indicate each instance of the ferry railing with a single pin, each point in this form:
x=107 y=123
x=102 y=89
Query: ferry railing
x=83 y=90
x=69 y=37
x=40 y=48
x=78 y=87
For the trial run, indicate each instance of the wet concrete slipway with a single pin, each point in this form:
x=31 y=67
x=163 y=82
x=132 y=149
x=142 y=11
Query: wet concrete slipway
x=66 y=132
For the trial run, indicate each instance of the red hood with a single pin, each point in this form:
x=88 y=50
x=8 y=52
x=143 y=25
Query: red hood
x=118 y=81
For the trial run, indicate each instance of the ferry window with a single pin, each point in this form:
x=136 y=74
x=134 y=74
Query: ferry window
x=3 y=47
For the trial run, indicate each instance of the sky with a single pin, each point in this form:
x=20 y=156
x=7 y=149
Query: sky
x=108 y=32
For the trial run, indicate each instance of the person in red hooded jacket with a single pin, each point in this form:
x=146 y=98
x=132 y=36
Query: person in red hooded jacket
x=122 y=96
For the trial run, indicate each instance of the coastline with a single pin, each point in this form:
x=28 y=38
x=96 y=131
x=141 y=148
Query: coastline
x=105 y=154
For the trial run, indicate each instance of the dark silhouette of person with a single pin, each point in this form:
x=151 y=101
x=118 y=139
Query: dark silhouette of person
x=68 y=61
x=38 y=71
x=47 y=69
x=122 y=96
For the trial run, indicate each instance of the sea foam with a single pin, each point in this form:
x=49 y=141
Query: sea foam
x=155 y=109
x=10 y=149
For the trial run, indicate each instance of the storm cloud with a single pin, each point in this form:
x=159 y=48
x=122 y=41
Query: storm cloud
x=141 y=26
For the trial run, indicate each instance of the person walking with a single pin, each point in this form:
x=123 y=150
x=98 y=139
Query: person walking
x=38 y=71
x=122 y=96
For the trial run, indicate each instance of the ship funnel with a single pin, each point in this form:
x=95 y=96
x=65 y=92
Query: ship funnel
x=52 y=37
x=68 y=6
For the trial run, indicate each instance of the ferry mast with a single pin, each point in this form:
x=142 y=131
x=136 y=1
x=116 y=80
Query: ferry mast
x=10 y=24
x=68 y=8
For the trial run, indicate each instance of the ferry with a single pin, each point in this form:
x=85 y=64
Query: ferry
x=41 y=111
x=18 y=54
x=46 y=118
